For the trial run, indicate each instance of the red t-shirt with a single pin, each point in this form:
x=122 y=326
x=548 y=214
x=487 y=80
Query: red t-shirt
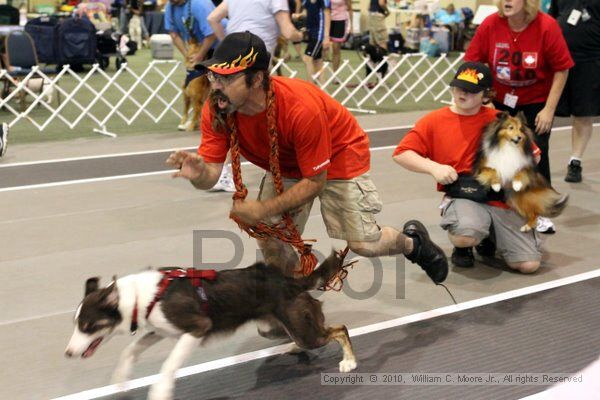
x=524 y=61
x=450 y=139
x=316 y=133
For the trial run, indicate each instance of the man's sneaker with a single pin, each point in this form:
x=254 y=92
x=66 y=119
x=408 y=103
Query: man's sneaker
x=3 y=139
x=545 y=225
x=463 y=257
x=486 y=248
x=429 y=256
x=574 y=171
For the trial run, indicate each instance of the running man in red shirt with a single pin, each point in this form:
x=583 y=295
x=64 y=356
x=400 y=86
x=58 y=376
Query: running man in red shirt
x=444 y=144
x=323 y=152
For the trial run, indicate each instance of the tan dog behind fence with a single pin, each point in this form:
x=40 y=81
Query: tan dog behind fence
x=194 y=94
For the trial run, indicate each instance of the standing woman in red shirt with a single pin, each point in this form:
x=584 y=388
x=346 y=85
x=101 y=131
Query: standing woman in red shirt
x=530 y=62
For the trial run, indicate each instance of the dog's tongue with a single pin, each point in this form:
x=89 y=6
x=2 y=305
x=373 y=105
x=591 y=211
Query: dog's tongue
x=90 y=350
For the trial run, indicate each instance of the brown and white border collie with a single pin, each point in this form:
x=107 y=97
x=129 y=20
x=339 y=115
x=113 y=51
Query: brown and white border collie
x=505 y=161
x=226 y=301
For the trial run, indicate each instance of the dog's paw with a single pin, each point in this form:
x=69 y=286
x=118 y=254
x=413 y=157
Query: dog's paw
x=161 y=391
x=294 y=349
x=496 y=187
x=517 y=185
x=120 y=378
x=182 y=127
x=347 y=365
x=189 y=126
x=525 y=228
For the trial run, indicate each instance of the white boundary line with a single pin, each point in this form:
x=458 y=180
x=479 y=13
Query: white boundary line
x=117 y=177
x=259 y=354
x=78 y=181
x=135 y=153
x=57 y=160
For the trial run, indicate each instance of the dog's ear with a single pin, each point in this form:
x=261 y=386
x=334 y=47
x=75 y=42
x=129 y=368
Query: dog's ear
x=521 y=117
x=110 y=298
x=91 y=285
x=502 y=116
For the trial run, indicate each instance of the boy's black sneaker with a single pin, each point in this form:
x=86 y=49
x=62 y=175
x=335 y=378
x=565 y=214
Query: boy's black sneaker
x=463 y=257
x=429 y=256
x=574 y=171
x=486 y=248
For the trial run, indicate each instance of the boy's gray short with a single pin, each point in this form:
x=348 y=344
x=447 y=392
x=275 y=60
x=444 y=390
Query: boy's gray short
x=463 y=217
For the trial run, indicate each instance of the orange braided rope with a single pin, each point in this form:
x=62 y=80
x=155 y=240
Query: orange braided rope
x=336 y=283
x=285 y=230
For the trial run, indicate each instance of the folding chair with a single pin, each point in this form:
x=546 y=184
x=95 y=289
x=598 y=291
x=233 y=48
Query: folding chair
x=20 y=58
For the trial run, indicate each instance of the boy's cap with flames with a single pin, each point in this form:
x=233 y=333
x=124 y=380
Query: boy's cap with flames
x=472 y=77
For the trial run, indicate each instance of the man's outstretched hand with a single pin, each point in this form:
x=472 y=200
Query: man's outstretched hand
x=190 y=165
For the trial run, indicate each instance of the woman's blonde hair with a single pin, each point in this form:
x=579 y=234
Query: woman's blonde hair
x=531 y=8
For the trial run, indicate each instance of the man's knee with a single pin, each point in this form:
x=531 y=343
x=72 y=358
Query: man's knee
x=463 y=241
x=364 y=249
x=525 y=267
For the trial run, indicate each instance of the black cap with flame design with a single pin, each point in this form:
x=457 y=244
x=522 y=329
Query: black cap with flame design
x=237 y=52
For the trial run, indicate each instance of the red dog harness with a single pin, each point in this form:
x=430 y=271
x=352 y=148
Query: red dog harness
x=194 y=275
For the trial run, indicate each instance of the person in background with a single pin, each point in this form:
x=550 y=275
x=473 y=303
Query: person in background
x=530 y=63
x=318 y=23
x=296 y=8
x=448 y=16
x=580 y=23
x=185 y=19
x=341 y=26
x=378 y=11
x=265 y=18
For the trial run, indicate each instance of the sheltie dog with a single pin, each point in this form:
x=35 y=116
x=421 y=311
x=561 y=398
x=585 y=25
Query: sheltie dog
x=195 y=92
x=194 y=305
x=505 y=160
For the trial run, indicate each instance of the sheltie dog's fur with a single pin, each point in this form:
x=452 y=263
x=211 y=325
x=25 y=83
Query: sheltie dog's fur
x=194 y=94
x=505 y=161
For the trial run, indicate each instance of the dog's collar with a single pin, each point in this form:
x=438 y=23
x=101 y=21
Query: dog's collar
x=195 y=276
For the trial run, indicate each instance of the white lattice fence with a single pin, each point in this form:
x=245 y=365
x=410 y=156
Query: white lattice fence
x=126 y=96
x=409 y=77
x=96 y=95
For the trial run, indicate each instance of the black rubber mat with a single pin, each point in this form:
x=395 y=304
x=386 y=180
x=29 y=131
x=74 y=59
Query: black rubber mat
x=101 y=167
x=555 y=331
x=61 y=171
